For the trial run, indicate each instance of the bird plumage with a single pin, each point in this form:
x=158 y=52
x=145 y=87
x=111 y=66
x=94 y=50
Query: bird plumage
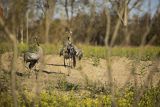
x=79 y=54
x=33 y=57
x=28 y=56
x=71 y=52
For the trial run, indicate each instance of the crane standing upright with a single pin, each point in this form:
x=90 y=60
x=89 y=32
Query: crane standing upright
x=33 y=57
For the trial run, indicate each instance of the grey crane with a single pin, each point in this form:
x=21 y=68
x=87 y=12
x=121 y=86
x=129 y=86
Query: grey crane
x=79 y=53
x=69 y=53
x=33 y=57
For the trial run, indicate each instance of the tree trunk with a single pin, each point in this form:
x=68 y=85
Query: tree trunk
x=66 y=9
x=127 y=35
x=72 y=11
x=21 y=30
x=14 y=60
x=13 y=71
x=48 y=19
x=47 y=26
x=27 y=27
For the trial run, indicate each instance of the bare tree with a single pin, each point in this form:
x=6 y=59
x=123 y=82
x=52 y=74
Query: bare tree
x=127 y=6
x=72 y=10
x=13 y=39
x=48 y=18
x=122 y=9
x=66 y=9
x=10 y=25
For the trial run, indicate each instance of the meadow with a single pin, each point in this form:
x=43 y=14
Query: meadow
x=72 y=98
x=144 y=53
x=66 y=94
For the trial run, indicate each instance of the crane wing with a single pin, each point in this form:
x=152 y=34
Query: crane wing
x=32 y=56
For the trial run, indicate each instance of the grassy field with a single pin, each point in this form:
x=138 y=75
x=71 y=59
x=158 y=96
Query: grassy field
x=144 y=53
x=77 y=98
x=65 y=94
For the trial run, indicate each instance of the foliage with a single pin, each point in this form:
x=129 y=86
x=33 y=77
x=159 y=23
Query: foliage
x=124 y=98
x=4 y=81
x=51 y=48
x=62 y=84
x=96 y=61
x=150 y=98
x=22 y=48
x=4 y=47
x=48 y=48
x=97 y=88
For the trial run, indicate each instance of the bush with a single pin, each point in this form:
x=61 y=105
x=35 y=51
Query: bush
x=123 y=98
x=22 y=48
x=5 y=47
x=64 y=85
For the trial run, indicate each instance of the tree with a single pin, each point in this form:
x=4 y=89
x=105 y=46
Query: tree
x=127 y=6
x=48 y=18
x=9 y=26
x=153 y=37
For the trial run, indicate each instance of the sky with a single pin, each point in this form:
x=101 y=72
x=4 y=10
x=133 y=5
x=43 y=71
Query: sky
x=60 y=11
x=145 y=8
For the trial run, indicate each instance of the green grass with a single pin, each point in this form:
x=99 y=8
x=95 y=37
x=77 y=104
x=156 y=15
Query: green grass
x=70 y=95
x=142 y=53
x=145 y=53
x=5 y=47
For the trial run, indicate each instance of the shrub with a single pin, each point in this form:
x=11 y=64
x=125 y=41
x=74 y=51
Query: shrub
x=5 y=47
x=64 y=85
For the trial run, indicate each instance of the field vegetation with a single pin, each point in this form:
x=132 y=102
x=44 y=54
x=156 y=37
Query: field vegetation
x=119 y=39
x=147 y=52
x=65 y=94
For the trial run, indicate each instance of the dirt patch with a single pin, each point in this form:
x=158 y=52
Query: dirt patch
x=123 y=70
